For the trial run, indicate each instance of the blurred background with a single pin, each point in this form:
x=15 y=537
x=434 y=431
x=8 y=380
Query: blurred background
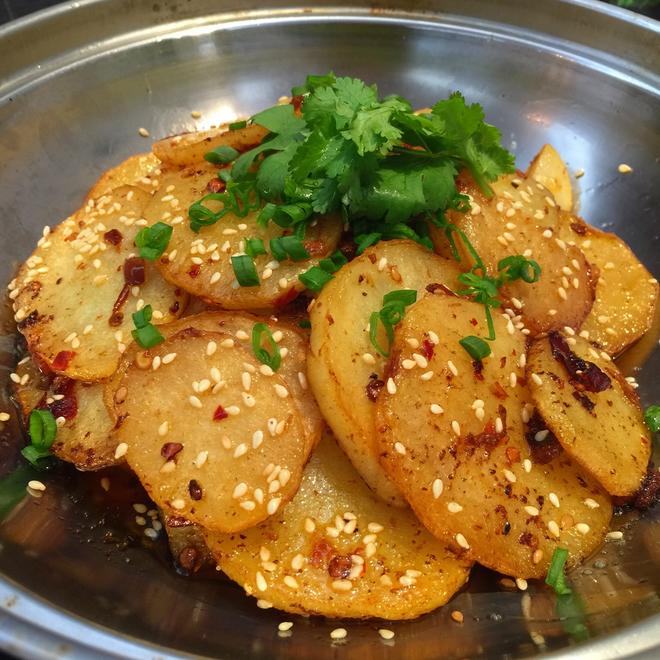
x=12 y=9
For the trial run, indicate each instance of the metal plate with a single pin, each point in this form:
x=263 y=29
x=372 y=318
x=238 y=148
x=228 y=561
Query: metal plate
x=77 y=81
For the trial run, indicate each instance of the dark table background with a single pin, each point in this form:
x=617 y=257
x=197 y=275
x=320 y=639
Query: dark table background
x=12 y=9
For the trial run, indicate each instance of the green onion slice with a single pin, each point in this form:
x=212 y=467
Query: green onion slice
x=245 y=270
x=272 y=358
x=221 y=155
x=42 y=429
x=236 y=125
x=556 y=577
x=254 y=247
x=476 y=347
x=652 y=418
x=153 y=241
x=315 y=278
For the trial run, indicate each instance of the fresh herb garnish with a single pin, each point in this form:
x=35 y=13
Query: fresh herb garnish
x=234 y=126
x=476 y=347
x=272 y=358
x=334 y=262
x=254 y=247
x=245 y=270
x=153 y=241
x=145 y=334
x=221 y=155
x=556 y=577
x=652 y=418
x=42 y=429
x=306 y=324
x=390 y=315
x=290 y=247
x=315 y=278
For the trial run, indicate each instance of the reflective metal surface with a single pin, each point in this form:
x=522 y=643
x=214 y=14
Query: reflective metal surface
x=76 y=576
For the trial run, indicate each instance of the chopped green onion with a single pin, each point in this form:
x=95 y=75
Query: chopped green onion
x=254 y=247
x=153 y=241
x=273 y=358
x=236 y=125
x=334 y=262
x=305 y=324
x=517 y=267
x=221 y=155
x=315 y=278
x=373 y=334
x=288 y=246
x=391 y=314
x=652 y=418
x=476 y=347
x=556 y=577
x=245 y=270
x=42 y=429
x=145 y=334
x=363 y=241
x=403 y=296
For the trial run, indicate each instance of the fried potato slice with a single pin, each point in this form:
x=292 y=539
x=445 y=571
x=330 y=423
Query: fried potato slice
x=522 y=218
x=189 y=148
x=345 y=370
x=84 y=436
x=551 y=172
x=338 y=550
x=626 y=293
x=471 y=476
x=140 y=171
x=591 y=409
x=201 y=263
x=293 y=369
x=236 y=450
x=69 y=292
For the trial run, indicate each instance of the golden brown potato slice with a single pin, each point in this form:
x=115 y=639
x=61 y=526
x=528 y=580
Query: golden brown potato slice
x=72 y=301
x=345 y=369
x=84 y=424
x=140 y=171
x=455 y=445
x=210 y=437
x=626 y=293
x=293 y=369
x=591 y=409
x=522 y=218
x=189 y=148
x=339 y=551
x=551 y=172
x=201 y=262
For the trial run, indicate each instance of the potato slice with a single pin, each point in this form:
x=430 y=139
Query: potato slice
x=593 y=412
x=626 y=293
x=201 y=263
x=140 y=171
x=30 y=387
x=339 y=551
x=293 y=369
x=551 y=172
x=210 y=437
x=345 y=369
x=522 y=218
x=69 y=292
x=471 y=476
x=187 y=544
x=189 y=148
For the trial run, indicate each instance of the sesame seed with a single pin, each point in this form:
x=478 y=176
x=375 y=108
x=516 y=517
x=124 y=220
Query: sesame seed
x=368 y=358
x=178 y=504
x=437 y=488
x=169 y=466
x=513 y=379
x=163 y=428
x=562 y=293
x=537 y=379
x=211 y=348
x=262 y=585
x=591 y=503
x=537 y=556
x=420 y=360
x=391 y=386
x=385 y=633
x=290 y=582
x=240 y=450
x=168 y=358
x=527 y=465
x=143 y=132
x=34 y=484
x=540 y=436
x=399 y=448
x=624 y=169
x=462 y=541
x=436 y=409
x=583 y=528
x=281 y=391
x=456 y=427
x=248 y=505
x=554 y=500
x=273 y=505
x=4 y=416
x=264 y=604
x=614 y=536
x=521 y=583
x=240 y=490
x=454 y=507
x=452 y=367
x=532 y=510
x=194 y=401
x=547 y=233
x=499 y=426
x=225 y=343
x=338 y=633
x=310 y=526
x=554 y=528
x=457 y=616
x=121 y=450
x=408 y=364
x=342 y=585
x=509 y=476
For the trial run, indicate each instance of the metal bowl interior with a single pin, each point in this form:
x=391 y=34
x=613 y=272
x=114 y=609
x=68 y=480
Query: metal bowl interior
x=76 y=82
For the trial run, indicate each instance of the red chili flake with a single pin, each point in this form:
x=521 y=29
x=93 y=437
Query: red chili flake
x=194 y=270
x=474 y=321
x=586 y=374
x=512 y=454
x=66 y=407
x=579 y=228
x=216 y=185
x=584 y=400
x=315 y=248
x=189 y=559
x=134 y=271
x=177 y=521
x=543 y=451
x=433 y=287
x=195 y=490
x=374 y=386
x=499 y=391
x=340 y=566
x=117 y=316
x=170 y=449
x=477 y=369
x=428 y=349
x=297 y=101
x=219 y=414
x=174 y=308
x=347 y=246
x=29 y=320
x=62 y=360
x=528 y=539
x=322 y=553
x=114 y=237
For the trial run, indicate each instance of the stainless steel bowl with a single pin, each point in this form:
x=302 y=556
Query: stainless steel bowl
x=77 y=81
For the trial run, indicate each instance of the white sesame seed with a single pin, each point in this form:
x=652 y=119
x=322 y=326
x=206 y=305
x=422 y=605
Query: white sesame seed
x=437 y=488
x=583 y=528
x=436 y=409
x=194 y=401
x=4 y=417
x=554 y=500
x=201 y=458
x=290 y=582
x=240 y=450
x=163 y=428
x=553 y=527
x=625 y=169
x=391 y=386
x=527 y=465
x=509 y=476
x=211 y=348
x=408 y=364
x=143 y=132
x=532 y=510
x=426 y=376
x=421 y=361
x=34 y=484
x=614 y=536
x=454 y=507
x=240 y=490
x=537 y=379
x=281 y=391
x=178 y=504
x=273 y=505
x=169 y=358
x=399 y=448
x=456 y=427
x=368 y=358
x=338 y=633
x=248 y=505
x=462 y=541
x=452 y=367
x=513 y=379
x=499 y=426
x=262 y=585
x=521 y=583
x=385 y=633
x=121 y=450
